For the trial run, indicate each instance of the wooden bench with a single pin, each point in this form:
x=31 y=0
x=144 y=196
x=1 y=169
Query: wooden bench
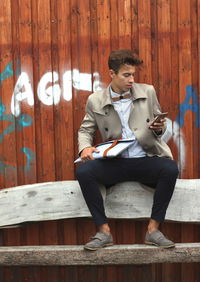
x=63 y=199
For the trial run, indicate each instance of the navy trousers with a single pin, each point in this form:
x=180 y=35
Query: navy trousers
x=156 y=172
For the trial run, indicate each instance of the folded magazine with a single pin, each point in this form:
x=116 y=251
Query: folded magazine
x=111 y=149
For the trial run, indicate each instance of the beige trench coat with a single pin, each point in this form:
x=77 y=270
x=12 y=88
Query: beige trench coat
x=100 y=114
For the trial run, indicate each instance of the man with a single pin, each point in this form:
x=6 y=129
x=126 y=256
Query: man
x=125 y=109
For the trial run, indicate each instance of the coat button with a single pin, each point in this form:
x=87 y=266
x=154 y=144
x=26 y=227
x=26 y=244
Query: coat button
x=106 y=129
x=148 y=120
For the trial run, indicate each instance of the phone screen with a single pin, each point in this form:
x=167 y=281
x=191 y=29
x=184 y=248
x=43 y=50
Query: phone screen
x=159 y=117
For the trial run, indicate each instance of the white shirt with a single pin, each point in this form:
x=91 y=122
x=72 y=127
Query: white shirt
x=123 y=107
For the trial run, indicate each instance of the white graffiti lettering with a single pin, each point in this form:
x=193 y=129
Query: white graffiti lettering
x=174 y=131
x=49 y=91
x=49 y=95
x=22 y=91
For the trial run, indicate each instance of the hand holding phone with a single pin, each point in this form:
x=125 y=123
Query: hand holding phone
x=158 y=118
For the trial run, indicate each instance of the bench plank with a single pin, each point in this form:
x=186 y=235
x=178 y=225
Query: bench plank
x=115 y=255
x=63 y=199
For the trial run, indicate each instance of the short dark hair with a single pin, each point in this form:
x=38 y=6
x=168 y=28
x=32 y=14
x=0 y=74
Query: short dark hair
x=118 y=58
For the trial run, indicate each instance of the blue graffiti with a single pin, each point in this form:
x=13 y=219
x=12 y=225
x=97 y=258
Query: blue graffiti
x=30 y=158
x=8 y=72
x=17 y=123
x=190 y=103
x=30 y=155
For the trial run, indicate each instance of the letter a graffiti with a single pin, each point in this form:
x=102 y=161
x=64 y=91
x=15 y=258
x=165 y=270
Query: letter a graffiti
x=191 y=96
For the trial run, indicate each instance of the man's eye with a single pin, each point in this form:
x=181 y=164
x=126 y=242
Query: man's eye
x=126 y=75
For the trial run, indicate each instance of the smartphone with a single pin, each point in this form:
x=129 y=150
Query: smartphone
x=158 y=118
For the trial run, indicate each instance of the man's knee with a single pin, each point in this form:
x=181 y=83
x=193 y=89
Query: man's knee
x=83 y=170
x=170 y=169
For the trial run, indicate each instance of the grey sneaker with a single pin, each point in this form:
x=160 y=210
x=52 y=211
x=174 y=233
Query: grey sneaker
x=158 y=239
x=100 y=240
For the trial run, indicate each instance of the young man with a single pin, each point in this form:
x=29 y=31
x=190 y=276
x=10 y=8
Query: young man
x=125 y=109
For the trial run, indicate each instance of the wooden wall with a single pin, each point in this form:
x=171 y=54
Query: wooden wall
x=53 y=53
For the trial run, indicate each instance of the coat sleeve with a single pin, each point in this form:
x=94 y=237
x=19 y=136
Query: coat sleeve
x=157 y=110
x=87 y=129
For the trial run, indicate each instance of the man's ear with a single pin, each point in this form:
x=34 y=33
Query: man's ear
x=112 y=73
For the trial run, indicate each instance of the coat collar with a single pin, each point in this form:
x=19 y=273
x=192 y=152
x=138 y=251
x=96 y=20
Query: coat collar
x=136 y=90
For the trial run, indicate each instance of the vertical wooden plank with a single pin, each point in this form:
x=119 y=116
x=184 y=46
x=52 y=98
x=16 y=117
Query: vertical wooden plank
x=114 y=24
x=26 y=137
x=103 y=16
x=63 y=116
x=144 y=31
x=67 y=235
x=175 y=143
x=165 y=93
x=82 y=76
x=85 y=230
x=46 y=126
x=124 y=20
x=94 y=41
x=185 y=79
x=63 y=110
x=195 y=23
x=8 y=35
x=164 y=52
x=154 y=44
x=45 y=89
x=78 y=103
x=27 y=105
x=184 y=28
x=8 y=126
x=170 y=271
x=134 y=27
x=94 y=45
x=194 y=69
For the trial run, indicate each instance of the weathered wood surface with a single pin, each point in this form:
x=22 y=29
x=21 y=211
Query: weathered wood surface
x=115 y=255
x=63 y=199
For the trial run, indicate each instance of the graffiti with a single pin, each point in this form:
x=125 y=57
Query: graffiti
x=30 y=156
x=49 y=91
x=49 y=95
x=51 y=87
x=8 y=72
x=22 y=91
x=173 y=131
x=15 y=124
x=190 y=103
x=22 y=121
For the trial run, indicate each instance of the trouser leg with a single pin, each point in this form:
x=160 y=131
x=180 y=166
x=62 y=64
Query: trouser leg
x=161 y=172
x=93 y=173
x=164 y=189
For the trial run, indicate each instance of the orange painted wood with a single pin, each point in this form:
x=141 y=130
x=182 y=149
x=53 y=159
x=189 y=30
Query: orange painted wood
x=70 y=40
x=124 y=20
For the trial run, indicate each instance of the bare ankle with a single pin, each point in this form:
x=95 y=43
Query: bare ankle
x=104 y=228
x=153 y=225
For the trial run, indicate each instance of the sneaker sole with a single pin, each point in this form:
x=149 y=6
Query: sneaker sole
x=163 y=247
x=94 y=249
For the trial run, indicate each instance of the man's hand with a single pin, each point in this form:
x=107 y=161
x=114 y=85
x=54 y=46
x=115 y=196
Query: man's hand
x=86 y=154
x=158 y=126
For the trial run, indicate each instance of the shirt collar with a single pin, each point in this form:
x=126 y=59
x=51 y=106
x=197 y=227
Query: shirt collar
x=114 y=94
x=136 y=91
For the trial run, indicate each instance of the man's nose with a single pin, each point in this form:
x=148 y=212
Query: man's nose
x=131 y=78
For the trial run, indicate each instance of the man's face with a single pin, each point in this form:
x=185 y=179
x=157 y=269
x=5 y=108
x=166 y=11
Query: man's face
x=123 y=80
